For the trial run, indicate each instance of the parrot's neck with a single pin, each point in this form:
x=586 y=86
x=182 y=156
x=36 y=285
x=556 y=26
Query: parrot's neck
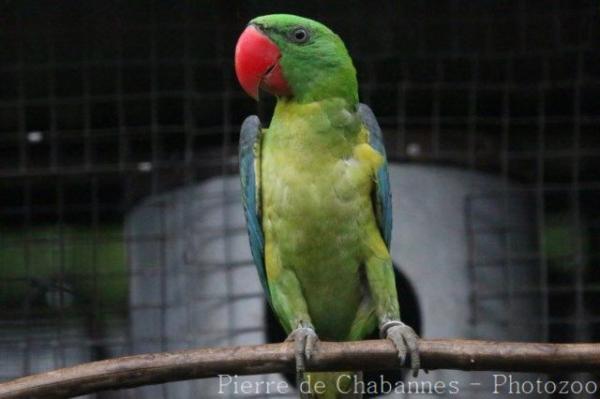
x=330 y=125
x=336 y=110
x=322 y=115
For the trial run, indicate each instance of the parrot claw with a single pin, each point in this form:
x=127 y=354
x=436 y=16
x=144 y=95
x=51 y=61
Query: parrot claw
x=406 y=342
x=305 y=340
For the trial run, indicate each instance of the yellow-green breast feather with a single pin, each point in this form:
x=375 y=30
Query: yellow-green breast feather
x=317 y=175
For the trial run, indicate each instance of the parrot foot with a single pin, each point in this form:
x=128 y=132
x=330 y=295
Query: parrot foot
x=406 y=342
x=305 y=340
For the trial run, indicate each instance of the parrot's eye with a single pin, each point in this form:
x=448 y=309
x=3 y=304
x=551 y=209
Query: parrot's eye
x=299 y=35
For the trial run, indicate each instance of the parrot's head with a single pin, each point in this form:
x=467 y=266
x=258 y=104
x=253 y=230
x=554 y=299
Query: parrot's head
x=294 y=57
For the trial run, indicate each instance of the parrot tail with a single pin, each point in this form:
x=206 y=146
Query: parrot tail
x=338 y=385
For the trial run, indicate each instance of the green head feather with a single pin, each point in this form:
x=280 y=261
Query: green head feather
x=314 y=59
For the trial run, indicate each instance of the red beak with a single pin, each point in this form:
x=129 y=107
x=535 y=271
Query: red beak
x=257 y=64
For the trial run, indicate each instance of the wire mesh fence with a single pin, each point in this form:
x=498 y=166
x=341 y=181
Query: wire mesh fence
x=119 y=223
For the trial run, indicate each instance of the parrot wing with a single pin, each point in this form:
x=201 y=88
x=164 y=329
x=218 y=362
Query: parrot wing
x=250 y=138
x=382 y=196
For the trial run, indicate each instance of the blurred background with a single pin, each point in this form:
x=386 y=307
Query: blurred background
x=120 y=218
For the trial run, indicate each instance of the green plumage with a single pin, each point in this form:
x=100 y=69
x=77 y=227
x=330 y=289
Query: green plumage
x=317 y=177
x=320 y=230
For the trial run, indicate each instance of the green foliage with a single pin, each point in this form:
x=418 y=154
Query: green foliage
x=46 y=266
x=562 y=241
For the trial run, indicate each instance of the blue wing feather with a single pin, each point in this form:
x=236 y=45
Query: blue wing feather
x=382 y=195
x=250 y=136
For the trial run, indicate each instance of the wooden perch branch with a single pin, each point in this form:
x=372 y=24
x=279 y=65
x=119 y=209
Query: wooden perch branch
x=157 y=368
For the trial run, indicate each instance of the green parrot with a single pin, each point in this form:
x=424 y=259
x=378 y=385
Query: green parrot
x=316 y=195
